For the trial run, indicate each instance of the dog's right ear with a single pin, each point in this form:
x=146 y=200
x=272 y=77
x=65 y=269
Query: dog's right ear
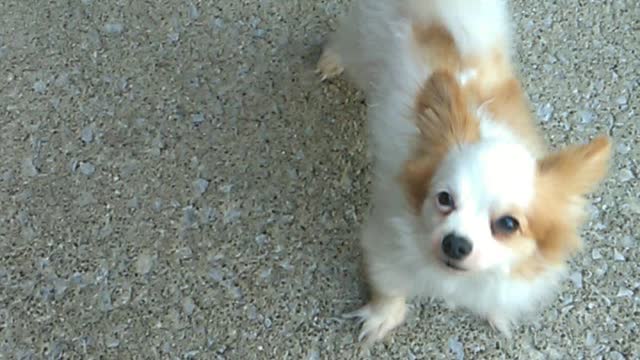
x=442 y=113
x=444 y=121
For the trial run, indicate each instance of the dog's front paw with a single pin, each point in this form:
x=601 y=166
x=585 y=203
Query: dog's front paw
x=329 y=65
x=379 y=318
x=501 y=324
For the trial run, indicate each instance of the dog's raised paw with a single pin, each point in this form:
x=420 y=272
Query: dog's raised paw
x=329 y=65
x=379 y=319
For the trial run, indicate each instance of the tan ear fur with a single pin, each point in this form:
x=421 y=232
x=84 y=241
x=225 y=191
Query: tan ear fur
x=564 y=178
x=444 y=121
x=578 y=169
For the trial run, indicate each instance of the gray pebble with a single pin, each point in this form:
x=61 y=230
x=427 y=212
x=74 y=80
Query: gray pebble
x=231 y=216
x=208 y=215
x=545 y=112
x=188 y=306
x=197 y=119
x=586 y=116
x=28 y=168
x=621 y=100
x=184 y=253
x=133 y=203
x=262 y=239
x=112 y=342
x=113 y=28
x=193 y=11
x=189 y=217
x=576 y=279
x=86 y=135
x=216 y=274
x=157 y=205
x=174 y=36
x=456 y=348
x=40 y=87
x=623 y=148
x=7 y=176
x=624 y=292
x=144 y=263
x=614 y=355
x=87 y=168
x=216 y=23
x=105 y=300
x=625 y=175
x=200 y=186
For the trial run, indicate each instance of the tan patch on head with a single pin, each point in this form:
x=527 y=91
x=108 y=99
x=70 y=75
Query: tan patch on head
x=444 y=121
x=563 y=180
x=497 y=88
x=435 y=46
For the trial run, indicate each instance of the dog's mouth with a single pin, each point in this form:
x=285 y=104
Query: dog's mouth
x=451 y=265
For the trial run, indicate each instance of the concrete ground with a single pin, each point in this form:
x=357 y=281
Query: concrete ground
x=176 y=183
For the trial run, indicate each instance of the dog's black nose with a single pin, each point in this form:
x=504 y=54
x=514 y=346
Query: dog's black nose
x=456 y=247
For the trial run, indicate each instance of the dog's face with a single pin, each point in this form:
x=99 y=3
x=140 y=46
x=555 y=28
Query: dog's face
x=476 y=206
x=485 y=201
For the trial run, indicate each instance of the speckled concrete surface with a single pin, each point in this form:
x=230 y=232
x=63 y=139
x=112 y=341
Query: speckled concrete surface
x=176 y=183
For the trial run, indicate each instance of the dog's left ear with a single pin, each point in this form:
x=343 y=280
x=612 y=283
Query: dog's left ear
x=578 y=169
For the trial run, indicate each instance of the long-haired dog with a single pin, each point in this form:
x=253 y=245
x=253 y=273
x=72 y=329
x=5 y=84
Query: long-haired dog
x=468 y=204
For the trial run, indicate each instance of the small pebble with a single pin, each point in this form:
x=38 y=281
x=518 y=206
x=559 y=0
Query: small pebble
x=193 y=11
x=576 y=279
x=614 y=355
x=625 y=175
x=231 y=216
x=86 y=135
x=144 y=263
x=113 y=28
x=586 y=116
x=189 y=216
x=200 y=186
x=28 y=168
x=174 y=37
x=208 y=215
x=621 y=100
x=216 y=275
x=456 y=348
x=617 y=255
x=197 y=119
x=623 y=148
x=188 y=305
x=87 y=168
x=545 y=112
x=40 y=87
x=628 y=241
x=262 y=239
x=133 y=203
x=624 y=292
x=595 y=254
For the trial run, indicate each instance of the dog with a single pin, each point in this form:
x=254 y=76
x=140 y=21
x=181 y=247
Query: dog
x=469 y=206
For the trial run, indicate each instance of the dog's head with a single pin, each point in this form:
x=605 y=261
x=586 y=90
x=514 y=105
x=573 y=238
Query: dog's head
x=484 y=201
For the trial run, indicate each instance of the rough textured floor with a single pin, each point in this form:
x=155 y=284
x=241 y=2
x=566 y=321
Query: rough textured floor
x=176 y=183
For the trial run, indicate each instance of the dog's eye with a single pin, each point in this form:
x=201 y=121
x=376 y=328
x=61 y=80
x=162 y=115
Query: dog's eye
x=505 y=225
x=445 y=201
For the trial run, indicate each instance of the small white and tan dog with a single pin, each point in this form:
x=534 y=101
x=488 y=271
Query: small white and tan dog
x=468 y=205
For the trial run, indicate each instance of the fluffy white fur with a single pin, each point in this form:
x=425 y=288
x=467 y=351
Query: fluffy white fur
x=374 y=46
